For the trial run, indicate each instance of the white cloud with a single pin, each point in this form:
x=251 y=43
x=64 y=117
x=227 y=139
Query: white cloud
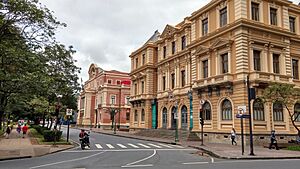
x=105 y=32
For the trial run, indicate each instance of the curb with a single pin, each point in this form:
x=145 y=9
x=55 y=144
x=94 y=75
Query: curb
x=15 y=158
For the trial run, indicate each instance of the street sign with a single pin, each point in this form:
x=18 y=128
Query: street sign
x=69 y=112
x=244 y=116
x=242 y=108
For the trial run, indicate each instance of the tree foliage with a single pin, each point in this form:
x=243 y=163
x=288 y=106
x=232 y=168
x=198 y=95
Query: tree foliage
x=34 y=67
x=285 y=94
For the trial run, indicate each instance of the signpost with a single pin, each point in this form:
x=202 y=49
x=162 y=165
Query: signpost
x=68 y=113
x=241 y=114
x=201 y=120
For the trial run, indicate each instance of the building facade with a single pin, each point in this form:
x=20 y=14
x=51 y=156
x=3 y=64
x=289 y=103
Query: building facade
x=104 y=100
x=204 y=61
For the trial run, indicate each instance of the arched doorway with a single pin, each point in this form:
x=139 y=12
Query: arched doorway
x=164 y=118
x=184 y=117
x=173 y=120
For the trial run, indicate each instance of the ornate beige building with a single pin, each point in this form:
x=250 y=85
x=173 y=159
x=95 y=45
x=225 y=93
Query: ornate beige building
x=210 y=54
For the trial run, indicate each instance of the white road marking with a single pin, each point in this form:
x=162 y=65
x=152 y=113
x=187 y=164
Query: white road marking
x=212 y=160
x=66 y=161
x=138 y=161
x=143 y=145
x=133 y=166
x=98 y=146
x=177 y=146
x=110 y=146
x=132 y=145
x=165 y=145
x=121 y=145
x=123 y=150
x=150 y=144
x=196 y=163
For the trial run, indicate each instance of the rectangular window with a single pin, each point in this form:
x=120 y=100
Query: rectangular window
x=256 y=60
x=173 y=47
x=205 y=68
x=144 y=59
x=204 y=27
x=172 y=80
x=182 y=78
x=183 y=42
x=127 y=116
x=224 y=58
x=135 y=116
x=127 y=100
x=143 y=87
x=276 y=63
x=164 y=83
x=112 y=100
x=223 y=17
x=118 y=82
x=292 y=24
x=109 y=81
x=273 y=16
x=135 y=89
x=164 y=51
x=255 y=11
x=295 y=69
x=136 y=63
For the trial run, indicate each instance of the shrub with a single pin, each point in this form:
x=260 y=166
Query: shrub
x=49 y=135
x=294 y=148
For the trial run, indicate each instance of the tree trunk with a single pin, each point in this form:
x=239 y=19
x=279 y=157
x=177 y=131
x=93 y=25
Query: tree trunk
x=44 y=119
x=1 y=116
x=51 y=121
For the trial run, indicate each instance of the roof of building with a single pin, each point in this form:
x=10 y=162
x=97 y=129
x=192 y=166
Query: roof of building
x=154 y=37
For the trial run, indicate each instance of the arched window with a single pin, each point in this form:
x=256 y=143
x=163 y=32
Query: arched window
x=226 y=110
x=164 y=117
x=258 y=110
x=135 y=116
x=297 y=112
x=143 y=115
x=184 y=117
x=206 y=110
x=277 y=111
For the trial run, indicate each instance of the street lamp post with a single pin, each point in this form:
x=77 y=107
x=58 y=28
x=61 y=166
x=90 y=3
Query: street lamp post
x=201 y=120
x=250 y=118
x=190 y=95
x=176 y=121
x=119 y=107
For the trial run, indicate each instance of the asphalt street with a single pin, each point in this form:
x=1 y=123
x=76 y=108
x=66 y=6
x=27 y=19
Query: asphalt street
x=112 y=152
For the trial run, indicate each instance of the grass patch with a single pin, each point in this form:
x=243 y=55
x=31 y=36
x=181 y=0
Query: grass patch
x=1 y=133
x=293 y=148
x=40 y=138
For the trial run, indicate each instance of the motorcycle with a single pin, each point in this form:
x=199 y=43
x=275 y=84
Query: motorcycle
x=84 y=142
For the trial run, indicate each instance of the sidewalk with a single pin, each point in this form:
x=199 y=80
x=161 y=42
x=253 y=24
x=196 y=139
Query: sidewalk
x=17 y=147
x=225 y=151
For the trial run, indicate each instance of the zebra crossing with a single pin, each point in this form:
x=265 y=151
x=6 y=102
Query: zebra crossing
x=137 y=146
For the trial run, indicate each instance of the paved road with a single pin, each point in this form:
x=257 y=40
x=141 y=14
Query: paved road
x=110 y=152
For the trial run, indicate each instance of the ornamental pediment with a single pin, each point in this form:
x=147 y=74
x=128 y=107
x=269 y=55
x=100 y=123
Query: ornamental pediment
x=168 y=31
x=221 y=42
x=201 y=50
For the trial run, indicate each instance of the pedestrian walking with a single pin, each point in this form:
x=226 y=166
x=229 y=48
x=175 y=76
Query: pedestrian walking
x=24 y=129
x=7 y=132
x=273 y=140
x=19 y=130
x=233 y=136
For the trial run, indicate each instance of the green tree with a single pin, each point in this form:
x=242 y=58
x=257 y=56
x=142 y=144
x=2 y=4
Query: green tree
x=285 y=94
x=32 y=63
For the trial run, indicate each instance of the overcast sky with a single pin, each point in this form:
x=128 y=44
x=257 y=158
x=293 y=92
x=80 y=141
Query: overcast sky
x=105 y=32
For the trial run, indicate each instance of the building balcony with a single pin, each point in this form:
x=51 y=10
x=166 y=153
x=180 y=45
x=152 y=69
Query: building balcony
x=214 y=80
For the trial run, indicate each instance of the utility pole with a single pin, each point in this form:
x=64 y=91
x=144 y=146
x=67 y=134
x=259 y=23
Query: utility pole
x=250 y=118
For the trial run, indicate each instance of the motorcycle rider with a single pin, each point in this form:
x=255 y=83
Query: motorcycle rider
x=85 y=136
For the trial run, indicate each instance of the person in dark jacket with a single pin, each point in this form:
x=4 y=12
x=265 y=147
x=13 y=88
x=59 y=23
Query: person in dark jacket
x=273 y=140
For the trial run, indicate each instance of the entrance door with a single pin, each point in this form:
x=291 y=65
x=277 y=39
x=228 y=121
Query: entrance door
x=184 y=117
x=173 y=124
x=164 y=118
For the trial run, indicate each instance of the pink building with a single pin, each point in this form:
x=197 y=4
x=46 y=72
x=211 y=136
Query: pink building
x=105 y=99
